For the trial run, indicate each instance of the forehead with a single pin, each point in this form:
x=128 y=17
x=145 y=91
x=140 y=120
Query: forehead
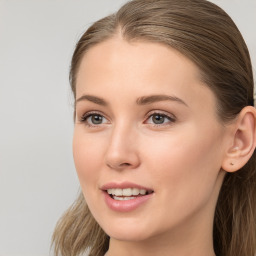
x=140 y=68
x=140 y=54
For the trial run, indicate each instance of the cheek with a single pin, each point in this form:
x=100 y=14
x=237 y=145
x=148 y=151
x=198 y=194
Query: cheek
x=185 y=163
x=88 y=156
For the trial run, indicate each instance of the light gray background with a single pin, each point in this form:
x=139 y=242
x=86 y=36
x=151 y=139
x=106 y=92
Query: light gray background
x=37 y=175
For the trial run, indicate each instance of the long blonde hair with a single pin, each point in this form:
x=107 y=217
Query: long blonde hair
x=206 y=34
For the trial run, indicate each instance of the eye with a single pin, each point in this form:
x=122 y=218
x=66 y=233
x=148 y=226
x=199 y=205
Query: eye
x=160 y=119
x=93 y=119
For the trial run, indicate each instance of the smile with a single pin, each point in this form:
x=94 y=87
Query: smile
x=126 y=197
x=127 y=193
x=122 y=194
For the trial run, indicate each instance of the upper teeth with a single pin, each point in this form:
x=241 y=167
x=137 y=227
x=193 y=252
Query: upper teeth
x=126 y=191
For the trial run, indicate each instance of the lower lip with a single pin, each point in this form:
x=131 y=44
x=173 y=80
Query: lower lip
x=125 y=205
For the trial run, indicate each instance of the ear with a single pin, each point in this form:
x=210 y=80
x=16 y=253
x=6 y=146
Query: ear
x=243 y=140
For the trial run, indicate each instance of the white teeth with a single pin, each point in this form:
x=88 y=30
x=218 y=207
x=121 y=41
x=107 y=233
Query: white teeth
x=143 y=191
x=118 y=191
x=135 y=191
x=123 y=198
x=126 y=192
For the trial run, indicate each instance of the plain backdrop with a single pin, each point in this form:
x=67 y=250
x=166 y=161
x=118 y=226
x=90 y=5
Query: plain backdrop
x=37 y=175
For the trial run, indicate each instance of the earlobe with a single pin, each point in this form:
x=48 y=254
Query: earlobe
x=243 y=141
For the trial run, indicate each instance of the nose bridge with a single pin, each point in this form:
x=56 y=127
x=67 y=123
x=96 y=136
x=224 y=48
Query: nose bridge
x=122 y=151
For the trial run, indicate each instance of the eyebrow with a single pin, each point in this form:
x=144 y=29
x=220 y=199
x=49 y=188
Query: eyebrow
x=144 y=100
x=93 y=99
x=155 y=98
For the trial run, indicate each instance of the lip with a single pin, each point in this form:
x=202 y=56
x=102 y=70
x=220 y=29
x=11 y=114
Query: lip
x=123 y=185
x=125 y=205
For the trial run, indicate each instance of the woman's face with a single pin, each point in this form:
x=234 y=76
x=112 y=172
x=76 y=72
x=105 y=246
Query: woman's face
x=148 y=146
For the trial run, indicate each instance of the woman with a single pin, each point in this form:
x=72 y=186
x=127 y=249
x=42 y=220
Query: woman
x=164 y=135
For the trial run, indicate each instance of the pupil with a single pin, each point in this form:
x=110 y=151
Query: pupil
x=158 y=119
x=96 y=119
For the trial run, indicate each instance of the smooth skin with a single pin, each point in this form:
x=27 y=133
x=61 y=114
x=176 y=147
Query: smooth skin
x=175 y=146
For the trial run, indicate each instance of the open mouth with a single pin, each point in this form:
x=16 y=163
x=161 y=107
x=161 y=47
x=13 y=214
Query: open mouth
x=127 y=193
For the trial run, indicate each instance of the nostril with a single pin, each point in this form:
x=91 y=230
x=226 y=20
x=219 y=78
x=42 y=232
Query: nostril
x=119 y=166
x=125 y=164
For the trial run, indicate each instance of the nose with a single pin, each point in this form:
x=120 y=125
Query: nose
x=122 y=151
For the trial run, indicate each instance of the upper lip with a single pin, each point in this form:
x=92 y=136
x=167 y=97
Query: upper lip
x=124 y=185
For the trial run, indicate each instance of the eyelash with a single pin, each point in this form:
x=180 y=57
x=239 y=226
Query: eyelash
x=86 y=116
x=171 y=119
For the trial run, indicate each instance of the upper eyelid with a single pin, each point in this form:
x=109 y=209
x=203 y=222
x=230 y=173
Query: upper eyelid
x=93 y=112
x=151 y=112
x=83 y=119
x=161 y=112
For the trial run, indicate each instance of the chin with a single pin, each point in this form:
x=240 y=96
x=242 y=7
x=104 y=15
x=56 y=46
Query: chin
x=128 y=236
x=127 y=230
